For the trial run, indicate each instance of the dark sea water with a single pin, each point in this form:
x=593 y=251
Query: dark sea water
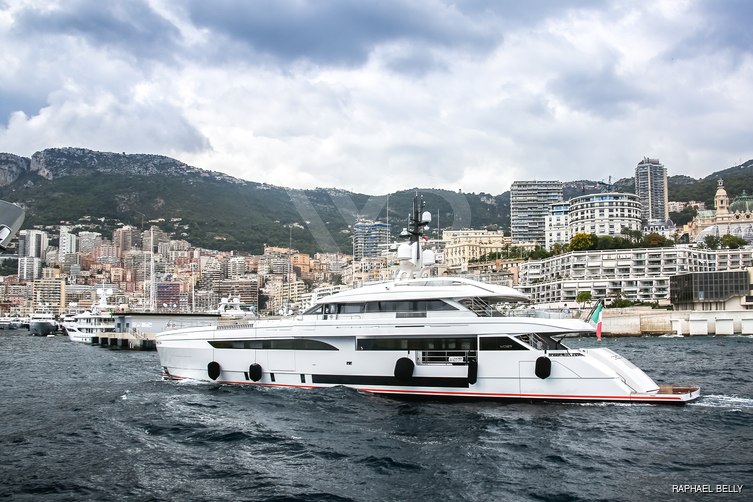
x=79 y=422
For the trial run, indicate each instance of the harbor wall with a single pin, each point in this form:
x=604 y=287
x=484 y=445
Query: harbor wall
x=643 y=321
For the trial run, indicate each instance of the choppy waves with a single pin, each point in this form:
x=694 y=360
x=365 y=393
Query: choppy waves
x=80 y=422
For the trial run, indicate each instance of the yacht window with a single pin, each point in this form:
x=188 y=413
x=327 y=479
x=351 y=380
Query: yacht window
x=424 y=343
x=499 y=343
x=433 y=305
x=409 y=306
x=542 y=342
x=274 y=344
x=315 y=310
x=351 y=308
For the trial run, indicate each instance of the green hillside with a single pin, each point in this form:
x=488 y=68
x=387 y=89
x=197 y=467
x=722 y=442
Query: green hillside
x=101 y=191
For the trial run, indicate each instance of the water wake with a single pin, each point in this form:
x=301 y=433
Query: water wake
x=723 y=401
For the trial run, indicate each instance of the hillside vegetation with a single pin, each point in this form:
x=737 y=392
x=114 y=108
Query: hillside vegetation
x=213 y=210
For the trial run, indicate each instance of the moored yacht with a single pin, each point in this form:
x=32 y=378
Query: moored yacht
x=42 y=322
x=415 y=335
x=91 y=323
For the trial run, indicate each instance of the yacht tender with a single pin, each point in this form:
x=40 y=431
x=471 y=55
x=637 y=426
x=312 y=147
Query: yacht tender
x=414 y=336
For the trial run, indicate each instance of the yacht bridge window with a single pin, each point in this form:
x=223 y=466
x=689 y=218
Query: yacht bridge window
x=542 y=341
x=402 y=308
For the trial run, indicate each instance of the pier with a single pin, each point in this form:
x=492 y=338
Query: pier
x=130 y=341
x=644 y=321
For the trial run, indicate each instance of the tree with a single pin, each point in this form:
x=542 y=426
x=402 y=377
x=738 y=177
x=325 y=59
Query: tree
x=559 y=248
x=9 y=266
x=583 y=297
x=634 y=236
x=685 y=216
x=583 y=242
x=538 y=253
x=712 y=241
x=605 y=242
x=654 y=240
x=732 y=241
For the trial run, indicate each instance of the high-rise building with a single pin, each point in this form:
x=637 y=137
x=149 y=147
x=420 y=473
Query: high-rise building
x=32 y=243
x=530 y=202
x=236 y=267
x=651 y=189
x=370 y=238
x=29 y=268
x=68 y=243
x=126 y=238
x=50 y=292
x=87 y=240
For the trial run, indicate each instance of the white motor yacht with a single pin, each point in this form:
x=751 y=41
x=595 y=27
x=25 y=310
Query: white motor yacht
x=92 y=323
x=416 y=336
x=42 y=322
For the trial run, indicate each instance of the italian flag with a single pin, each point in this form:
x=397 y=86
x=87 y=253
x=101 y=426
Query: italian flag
x=596 y=319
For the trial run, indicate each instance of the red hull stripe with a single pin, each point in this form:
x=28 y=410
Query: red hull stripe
x=466 y=394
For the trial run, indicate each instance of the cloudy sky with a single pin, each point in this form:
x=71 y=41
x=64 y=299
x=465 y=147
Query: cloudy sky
x=377 y=96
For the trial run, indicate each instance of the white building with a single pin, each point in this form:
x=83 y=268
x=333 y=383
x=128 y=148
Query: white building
x=634 y=274
x=600 y=213
x=32 y=243
x=604 y=213
x=29 y=268
x=68 y=243
x=236 y=267
x=556 y=224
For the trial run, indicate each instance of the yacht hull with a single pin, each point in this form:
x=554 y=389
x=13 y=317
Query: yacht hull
x=580 y=375
x=42 y=328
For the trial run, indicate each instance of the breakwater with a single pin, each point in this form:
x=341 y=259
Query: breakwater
x=644 y=321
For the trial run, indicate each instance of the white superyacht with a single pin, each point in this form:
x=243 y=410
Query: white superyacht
x=83 y=326
x=414 y=336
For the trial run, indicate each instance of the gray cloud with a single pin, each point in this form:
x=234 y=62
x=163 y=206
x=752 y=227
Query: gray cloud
x=337 y=32
x=18 y=100
x=130 y=27
x=598 y=91
x=726 y=27
x=375 y=96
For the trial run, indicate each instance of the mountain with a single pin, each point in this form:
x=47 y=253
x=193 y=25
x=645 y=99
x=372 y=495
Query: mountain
x=210 y=209
x=103 y=190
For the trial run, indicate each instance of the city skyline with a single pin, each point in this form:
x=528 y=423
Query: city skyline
x=373 y=96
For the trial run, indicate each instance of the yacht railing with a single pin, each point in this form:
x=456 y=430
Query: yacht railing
x=445 y=357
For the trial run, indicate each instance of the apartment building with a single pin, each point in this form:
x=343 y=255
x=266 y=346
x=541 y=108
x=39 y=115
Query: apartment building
x=461 y=246
x=641 y=274
x=370 y=238
x=651 y=188
x=530 y=202
x=600 y=213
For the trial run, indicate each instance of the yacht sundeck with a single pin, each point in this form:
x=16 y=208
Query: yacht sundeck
x=414 y=336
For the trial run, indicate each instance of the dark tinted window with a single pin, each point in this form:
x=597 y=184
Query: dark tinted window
x=468 y=343
x=409 y=306
x=499 y=343
x=279 y=344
